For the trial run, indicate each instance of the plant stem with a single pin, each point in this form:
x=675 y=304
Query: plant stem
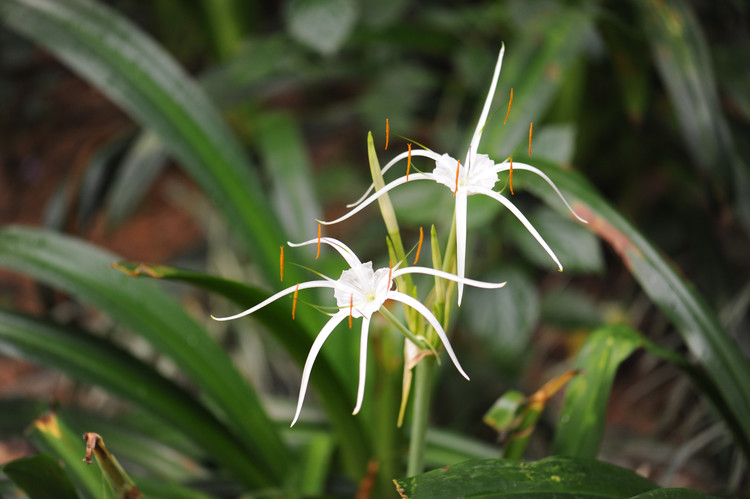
x=423 y=378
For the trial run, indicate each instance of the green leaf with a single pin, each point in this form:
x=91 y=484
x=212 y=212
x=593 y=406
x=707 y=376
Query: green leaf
x=127 y=66
x=92 y=360
x=50 y=434
x=535 y=67
x=335 y=396
x=711 y=345
x=285 y=159
x=41 y=477
x=144 y=161
x=322 y=25
x=559 y=477
x=581 y=426
x=672 y=493
x=86 y=272
x=445 y=447
x=111 y=468
x=504 y=319
x=571 y=309
x=682 y=56
x=577 y=249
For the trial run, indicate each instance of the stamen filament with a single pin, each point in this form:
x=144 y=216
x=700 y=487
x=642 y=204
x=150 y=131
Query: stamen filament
x=281 y=264
x=390 y=274
x=510 y=102
x=510 y=181
x=351 y=310
x=294 y=300
x=458 y=167
x=318 y=252
x=531 y=128
x=408 y=161
x=419 y=246
x=387 y=133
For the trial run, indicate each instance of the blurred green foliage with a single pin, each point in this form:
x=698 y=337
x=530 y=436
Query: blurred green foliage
x=266 y=106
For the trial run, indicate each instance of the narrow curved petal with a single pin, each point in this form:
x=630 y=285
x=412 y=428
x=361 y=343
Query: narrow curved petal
x=362 y=364
x=461 y=214
x=374 y=197
x=416 y=305
x=287 y=291
x=449 y=276
x=313 y=354
x=417 y=152
x=520 y=216
x=486 y=109
x=523 y=166
x=344 y=250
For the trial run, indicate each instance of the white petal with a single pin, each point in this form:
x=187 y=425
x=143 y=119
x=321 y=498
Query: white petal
x=287 y=291
x=461 y=214
x=486 y=109
x=313 y=354
x=362 y=365
x=415 y=152
x=523 y=166
x=344 y=250
x=368 y=201
x=416 y=305
x=448 y=275
x=520 y=216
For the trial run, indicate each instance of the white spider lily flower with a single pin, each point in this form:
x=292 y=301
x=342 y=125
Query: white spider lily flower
x=478 y=174
x=360 y=292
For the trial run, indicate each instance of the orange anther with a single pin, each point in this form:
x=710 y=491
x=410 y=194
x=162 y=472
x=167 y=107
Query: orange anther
x=294 y=301
x=458 y=168
x=510 y=181
x=281 y=264
x=317 y=254
x=387 y=133
x=531 y=128
x=419 y=246
x=390 y=274
x=408 y=161
x=510 y=102
x=351 y=310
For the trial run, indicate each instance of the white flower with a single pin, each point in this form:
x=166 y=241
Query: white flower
x=478 y=174
x=360 y=292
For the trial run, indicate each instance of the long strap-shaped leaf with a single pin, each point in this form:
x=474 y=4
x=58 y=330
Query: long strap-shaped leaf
x=92 y=360
x=698 y=325
x=127 y=66
x=84 y=271
x=334 y=396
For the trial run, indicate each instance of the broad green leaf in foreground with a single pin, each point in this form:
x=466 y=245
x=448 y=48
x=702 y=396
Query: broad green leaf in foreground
x=85 y=271
x=711 y=345
x=40 y=477
x=560 y=477
x=582 y=419
x=127 y=66
x=50 y=434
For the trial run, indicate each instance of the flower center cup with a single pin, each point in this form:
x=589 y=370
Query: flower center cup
x=362 y=289
x=480 y=173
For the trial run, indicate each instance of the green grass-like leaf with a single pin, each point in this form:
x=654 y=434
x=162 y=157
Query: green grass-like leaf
x=708 y=341
x=127 y=66
x=40 y=476
x=85 y=271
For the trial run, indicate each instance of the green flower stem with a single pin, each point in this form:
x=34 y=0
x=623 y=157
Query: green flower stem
x=423 y=379
x=420 y=342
